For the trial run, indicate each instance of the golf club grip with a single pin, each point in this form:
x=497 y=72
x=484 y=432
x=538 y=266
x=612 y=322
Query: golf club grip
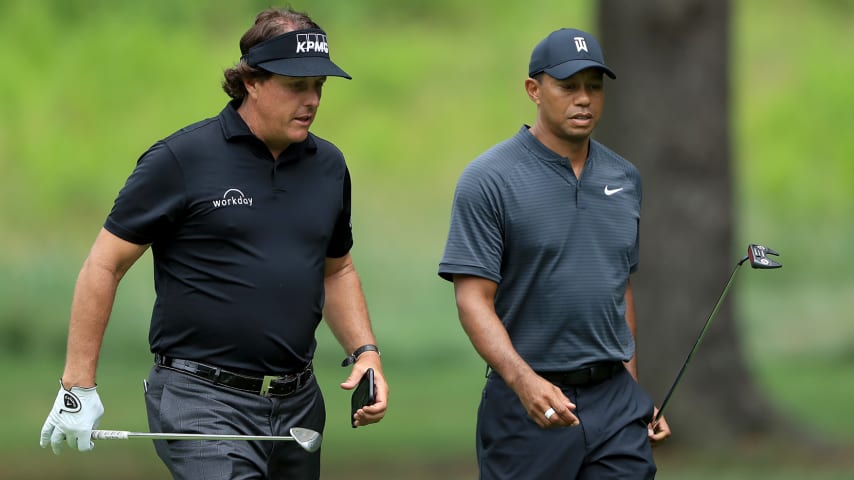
x=109 y=435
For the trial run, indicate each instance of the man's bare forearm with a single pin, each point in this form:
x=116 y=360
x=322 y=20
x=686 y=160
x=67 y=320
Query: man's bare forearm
x=346 y=311
x=475 y=303
x=93 y=300
x=94 y=294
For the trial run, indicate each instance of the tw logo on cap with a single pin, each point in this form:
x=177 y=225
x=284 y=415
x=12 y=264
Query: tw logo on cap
x=312 y=43
x=580 y=44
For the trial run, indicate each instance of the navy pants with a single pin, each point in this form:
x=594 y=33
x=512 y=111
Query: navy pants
x=180 y=403
x=610 y=443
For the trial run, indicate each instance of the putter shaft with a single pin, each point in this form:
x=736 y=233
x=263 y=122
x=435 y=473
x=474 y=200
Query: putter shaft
x=758 y=256
x=125 y=435
x=697 y=343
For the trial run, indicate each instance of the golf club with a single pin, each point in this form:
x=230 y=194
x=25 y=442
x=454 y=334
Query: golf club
x=309 y=440
x=757 y=254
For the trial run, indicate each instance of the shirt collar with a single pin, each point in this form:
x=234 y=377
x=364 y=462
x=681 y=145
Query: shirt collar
x=545 y=153
x=234 y=128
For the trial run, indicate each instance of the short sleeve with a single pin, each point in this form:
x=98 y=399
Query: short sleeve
x=342 y=235
x=634 y=257
x=475 y=237
x=152 y=201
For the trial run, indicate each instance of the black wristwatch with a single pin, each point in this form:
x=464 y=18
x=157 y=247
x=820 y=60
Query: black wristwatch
x=351 y=359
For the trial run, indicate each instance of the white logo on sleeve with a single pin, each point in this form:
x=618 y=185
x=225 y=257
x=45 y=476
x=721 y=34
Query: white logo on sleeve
x=580 y=44
x=610 y=192
x=231 y=197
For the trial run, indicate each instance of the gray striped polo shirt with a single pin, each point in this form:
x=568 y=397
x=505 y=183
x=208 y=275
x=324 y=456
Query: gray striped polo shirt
x=560 y=249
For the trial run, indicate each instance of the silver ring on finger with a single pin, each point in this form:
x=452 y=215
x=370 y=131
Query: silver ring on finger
x=549 y=413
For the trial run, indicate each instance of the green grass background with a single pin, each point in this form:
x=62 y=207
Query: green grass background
x=88 y=85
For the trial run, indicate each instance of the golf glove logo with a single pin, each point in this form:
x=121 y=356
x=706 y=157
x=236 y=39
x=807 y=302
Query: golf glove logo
x=72 y=405
x=74 y=414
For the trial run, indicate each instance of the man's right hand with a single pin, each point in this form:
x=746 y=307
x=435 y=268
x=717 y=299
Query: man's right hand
x=545 y=402
x=75 y=413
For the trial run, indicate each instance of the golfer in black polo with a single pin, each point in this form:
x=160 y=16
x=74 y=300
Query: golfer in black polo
x=248 y=218
x=543 y=238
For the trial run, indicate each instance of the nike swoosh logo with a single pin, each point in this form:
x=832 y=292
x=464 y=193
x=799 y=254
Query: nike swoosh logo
x=610 y=192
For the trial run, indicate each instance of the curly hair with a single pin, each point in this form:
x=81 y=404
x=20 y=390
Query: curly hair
x=268 y=24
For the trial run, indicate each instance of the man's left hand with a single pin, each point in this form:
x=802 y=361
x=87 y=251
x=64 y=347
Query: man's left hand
x=371 y=413
x=658 y=431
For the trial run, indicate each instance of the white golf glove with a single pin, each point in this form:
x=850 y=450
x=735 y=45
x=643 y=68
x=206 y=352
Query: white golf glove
x=73 y=416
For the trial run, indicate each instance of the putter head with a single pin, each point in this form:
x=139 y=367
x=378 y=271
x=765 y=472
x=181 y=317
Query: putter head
x=758 y=257
x=308 y=439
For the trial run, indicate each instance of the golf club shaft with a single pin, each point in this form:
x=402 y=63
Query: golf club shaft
x=125 y=435
x=697 y=343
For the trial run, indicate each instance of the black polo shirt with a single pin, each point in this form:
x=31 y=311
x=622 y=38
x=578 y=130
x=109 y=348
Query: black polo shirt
x=239 y=241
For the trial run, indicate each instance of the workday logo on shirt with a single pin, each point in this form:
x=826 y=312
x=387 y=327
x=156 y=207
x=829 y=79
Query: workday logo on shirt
x=232 y=197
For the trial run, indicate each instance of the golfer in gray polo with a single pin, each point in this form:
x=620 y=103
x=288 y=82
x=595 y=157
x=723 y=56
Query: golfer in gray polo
x=543 y=238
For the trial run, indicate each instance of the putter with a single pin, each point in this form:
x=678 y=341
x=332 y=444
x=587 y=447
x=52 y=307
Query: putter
x=309 y=440
x=757 y=254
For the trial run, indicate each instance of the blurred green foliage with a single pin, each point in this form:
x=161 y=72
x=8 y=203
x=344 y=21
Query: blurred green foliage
x=88 y=85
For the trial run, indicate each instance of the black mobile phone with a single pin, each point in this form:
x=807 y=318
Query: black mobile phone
x=363 y=395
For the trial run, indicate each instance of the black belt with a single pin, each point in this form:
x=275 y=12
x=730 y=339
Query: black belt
x=267 y=386
x=584 y=376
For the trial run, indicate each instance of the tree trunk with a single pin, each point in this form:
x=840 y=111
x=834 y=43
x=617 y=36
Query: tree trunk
x=668 y=112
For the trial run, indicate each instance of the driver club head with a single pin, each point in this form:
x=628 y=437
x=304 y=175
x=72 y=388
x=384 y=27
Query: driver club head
x=306 y=438
x=758 y=257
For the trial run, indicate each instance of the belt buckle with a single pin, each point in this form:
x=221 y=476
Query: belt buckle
x=265 y=385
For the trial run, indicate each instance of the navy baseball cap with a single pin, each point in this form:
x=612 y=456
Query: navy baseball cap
x=566 y=52
x=300 y=53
